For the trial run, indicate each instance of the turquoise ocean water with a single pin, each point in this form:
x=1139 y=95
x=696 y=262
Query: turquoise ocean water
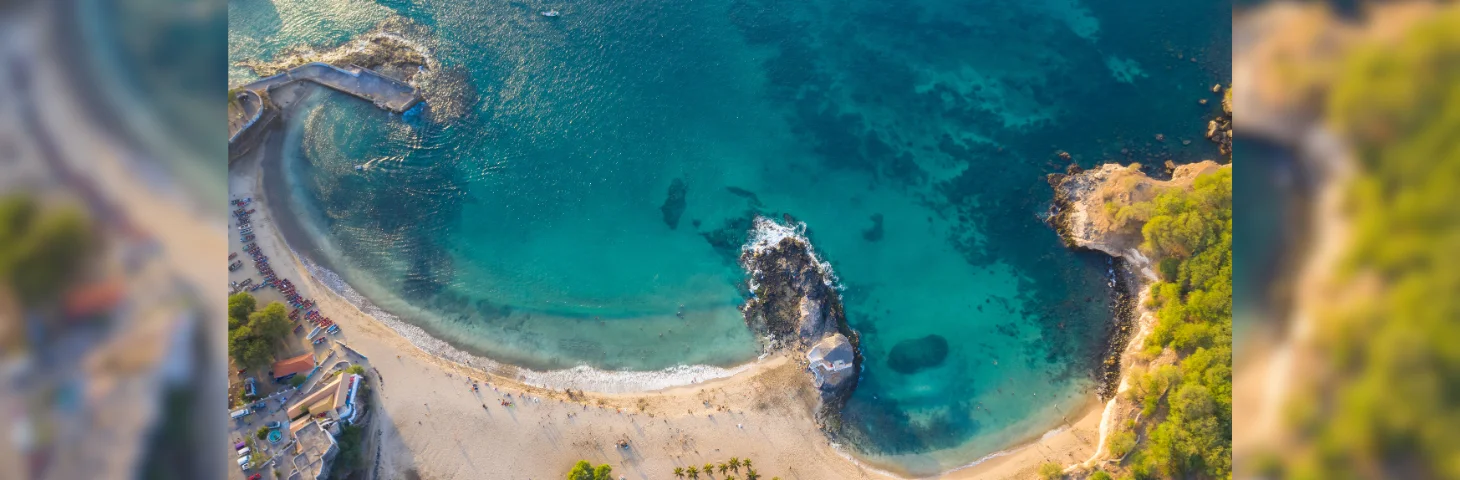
x=912 y=139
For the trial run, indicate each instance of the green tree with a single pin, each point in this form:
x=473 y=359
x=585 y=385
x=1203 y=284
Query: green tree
x=735 y=464
x=1190 y=235
x=1121 y=443
x=678 y=472
x=42 y=250
x=1099 y=475
x=248 y=349
x=724 y=468
x=271 y=323
x=1051 y=471
x=692 y=472
x=296 y=380
x=581 y=471
x=262 y=433
x=603 y=472
x=240 y=306
x=709 y=469
x=356 y=369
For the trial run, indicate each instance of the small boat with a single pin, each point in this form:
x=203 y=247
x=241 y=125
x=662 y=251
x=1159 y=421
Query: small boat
x=550 y=13
x=359 y=168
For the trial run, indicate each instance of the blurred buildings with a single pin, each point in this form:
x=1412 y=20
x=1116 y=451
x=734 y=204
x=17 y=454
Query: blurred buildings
x=108 y=349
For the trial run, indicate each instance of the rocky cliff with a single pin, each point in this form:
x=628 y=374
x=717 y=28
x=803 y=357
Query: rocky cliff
x=1096 y=208
x=794 y=306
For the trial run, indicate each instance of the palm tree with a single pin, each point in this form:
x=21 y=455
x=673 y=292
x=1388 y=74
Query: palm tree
x=745 y=463
x=678 y=472
x=751 y=475
x=709 y=468
x=735 y=464
x=693 y=472
x=724 y=468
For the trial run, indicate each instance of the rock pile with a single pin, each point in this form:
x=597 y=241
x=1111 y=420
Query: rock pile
x=793 y=305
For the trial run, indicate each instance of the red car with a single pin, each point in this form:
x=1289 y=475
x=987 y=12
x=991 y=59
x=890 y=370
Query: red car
x=255 y=477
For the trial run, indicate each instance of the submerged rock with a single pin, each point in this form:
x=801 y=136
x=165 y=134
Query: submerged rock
x=875 y=232
x=913 y=355
x=673 y=207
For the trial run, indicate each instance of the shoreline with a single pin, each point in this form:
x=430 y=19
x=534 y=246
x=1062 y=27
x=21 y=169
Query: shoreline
x=768 y=395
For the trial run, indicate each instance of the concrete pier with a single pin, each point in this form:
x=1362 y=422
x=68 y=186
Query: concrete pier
x=385 y=92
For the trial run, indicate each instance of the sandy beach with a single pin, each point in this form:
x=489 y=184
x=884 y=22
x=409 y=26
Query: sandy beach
x=430 y=424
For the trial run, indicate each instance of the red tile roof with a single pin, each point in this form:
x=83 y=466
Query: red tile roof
x=299 y=364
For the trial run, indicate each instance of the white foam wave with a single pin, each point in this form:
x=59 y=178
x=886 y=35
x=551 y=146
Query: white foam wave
x=578 y=378
x=766 y=234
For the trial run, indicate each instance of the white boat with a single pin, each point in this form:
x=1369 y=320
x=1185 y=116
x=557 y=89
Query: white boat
x=550 y=13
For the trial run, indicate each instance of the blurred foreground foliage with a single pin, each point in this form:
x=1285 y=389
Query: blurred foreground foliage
x=42 y=248
x=1385 y=403
x=1190 y=393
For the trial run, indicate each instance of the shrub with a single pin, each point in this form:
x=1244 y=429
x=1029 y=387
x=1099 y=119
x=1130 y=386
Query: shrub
x=1051 y=471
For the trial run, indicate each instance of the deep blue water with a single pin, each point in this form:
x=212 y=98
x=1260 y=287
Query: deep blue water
x=912 y=139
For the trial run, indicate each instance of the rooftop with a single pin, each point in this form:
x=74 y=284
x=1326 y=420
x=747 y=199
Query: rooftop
x=291 y=366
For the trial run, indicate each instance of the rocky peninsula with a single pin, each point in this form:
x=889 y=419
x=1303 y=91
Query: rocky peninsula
x=1101 y=209
x=795 y=307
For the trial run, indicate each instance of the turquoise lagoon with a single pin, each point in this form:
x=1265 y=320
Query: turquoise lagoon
x=911 y=139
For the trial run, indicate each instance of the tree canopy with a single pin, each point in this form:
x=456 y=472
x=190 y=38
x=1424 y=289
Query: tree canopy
x=240 y=306
x=1385 y=403
x=585 y=471
x=1190 y=233
x=250 y=342
x=41 y=250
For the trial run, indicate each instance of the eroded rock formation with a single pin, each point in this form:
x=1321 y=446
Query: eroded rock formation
x=794 y=306
x=1089 y=205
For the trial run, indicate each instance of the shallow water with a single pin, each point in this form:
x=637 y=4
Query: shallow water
x=911 y=139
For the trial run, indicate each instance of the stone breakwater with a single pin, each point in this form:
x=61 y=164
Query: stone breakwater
x=795 y=306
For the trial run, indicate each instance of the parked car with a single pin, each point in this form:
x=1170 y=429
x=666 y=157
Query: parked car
x=255 y=477
x=259 y=405
x=239 y=446
x=274 y=424
x=243 y=463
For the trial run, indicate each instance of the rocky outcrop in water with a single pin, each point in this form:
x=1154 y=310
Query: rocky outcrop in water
x=795 y=307
x=1219 y=130
x=673 y=207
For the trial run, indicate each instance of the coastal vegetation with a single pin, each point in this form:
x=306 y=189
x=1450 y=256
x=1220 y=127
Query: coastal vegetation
x=42 y=249
x=1186 y=392
x=586 y=471
x=251 y=333
x=709 y=468
x=1383 y=405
